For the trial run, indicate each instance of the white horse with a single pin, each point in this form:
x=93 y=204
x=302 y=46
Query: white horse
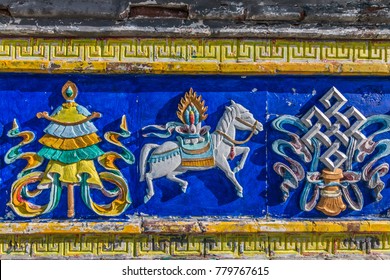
x=234 y=117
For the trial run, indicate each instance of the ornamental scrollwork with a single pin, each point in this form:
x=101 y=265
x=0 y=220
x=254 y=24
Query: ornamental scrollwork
x=70 y=144
x=329 y=143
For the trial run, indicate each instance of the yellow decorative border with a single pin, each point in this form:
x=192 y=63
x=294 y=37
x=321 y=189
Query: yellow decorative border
x=179 y=226
x=261 y=245
x=232 y=56
x=161 y=238
x=195 y=238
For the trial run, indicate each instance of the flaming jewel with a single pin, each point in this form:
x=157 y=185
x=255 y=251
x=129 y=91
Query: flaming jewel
x=332 y=140
x=70 y=145
x=192 y=106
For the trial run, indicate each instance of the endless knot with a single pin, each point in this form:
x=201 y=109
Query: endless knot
x=333 y=128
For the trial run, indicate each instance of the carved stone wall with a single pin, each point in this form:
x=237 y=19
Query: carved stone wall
x=194 y=129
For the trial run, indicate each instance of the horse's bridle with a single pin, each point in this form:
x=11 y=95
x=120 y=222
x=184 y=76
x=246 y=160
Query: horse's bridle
x=234 y=141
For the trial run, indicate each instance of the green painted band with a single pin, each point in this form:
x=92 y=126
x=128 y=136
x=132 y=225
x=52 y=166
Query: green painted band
x=71 y=156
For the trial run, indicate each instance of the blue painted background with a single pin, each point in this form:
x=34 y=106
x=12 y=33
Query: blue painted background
x=153 y=99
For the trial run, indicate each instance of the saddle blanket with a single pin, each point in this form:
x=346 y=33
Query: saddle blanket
x=199 y=154
x=192 y=155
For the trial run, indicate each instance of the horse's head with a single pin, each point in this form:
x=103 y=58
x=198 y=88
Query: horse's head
x=244 y=119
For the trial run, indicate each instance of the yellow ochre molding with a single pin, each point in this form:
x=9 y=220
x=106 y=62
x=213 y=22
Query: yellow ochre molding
x=222 y=245
x=191 y=56
x=162 y=226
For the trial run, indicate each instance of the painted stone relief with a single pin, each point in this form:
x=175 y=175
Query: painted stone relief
x=321 y=153
x=70 y=144
x=336 y=151
x=196 y=149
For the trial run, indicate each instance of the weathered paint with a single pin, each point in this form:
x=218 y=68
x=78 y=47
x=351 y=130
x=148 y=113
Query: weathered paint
x=218 y=231
x=353 y=19
x=194 y=226
x=197 y=246
x=191 y=56
x=209 y=192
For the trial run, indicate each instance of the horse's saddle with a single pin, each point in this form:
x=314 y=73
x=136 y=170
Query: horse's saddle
x=200 y=154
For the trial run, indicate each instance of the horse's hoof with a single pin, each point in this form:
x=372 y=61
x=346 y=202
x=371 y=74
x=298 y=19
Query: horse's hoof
x=147 y=198
x=184 y=189
x=236 y=169
x=240 y=194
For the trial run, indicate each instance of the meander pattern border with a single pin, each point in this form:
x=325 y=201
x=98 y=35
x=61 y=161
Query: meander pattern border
x=159 y=238
x=264 y=245
x=239 y=56
x=215 y=238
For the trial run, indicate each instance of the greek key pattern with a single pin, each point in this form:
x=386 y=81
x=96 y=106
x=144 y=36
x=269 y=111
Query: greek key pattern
x=95 y=52
x=259 y=246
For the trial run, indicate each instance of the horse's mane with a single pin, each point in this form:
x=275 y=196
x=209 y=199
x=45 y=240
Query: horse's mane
x=225 y=121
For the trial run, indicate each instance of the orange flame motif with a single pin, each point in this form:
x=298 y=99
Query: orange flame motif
x=190 y=98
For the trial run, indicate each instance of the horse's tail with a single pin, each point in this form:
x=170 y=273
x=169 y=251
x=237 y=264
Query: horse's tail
x=143 y=157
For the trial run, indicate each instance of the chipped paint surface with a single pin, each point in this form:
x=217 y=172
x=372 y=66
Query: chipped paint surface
x=222 y=236
x=196 y=238
x=176 y=226
x=354 y=19
x=186 y=56
x=197 y=246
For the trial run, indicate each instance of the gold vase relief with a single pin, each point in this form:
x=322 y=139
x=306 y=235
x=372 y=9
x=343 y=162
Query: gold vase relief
x=331 y=202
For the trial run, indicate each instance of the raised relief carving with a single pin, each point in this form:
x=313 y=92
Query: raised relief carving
x=329 y=143
x=196 y=148
x=70 y=143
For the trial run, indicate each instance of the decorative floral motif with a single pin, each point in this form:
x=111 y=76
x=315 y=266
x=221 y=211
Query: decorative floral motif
x=334 y=143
